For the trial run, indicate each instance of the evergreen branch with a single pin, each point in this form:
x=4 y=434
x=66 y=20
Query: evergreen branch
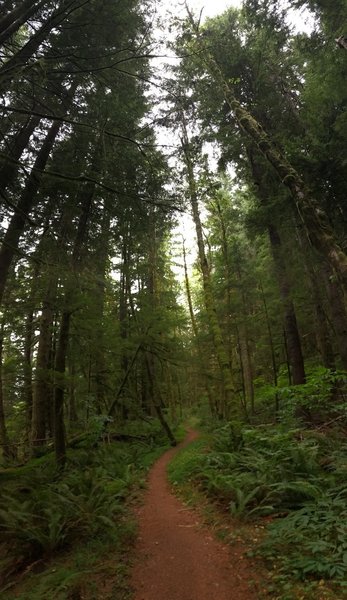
x=104 y=186
x=35 y=113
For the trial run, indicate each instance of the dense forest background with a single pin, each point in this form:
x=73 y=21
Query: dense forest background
x=106 y=325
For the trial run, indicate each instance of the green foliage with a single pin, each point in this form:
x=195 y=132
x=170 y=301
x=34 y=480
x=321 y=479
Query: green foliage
x=318 y=398
x=42 y=512
x=313 y=540
x=86 y=501
x=295 y=475
x=187 y=463
x=261 y=471
x=82 y=510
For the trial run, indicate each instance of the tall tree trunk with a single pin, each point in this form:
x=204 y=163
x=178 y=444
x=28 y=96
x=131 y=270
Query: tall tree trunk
x=4 y=441
x=203 y=371
x=29 y=337
x=14 y=65
x=100 y=367
x=24 y=206
x=72 y=411
x=247 y=366
x=9 y=168
x=59 y=389
x=12 y=21
x=157 y=402
x=43 y=383
x=271 y=342
x=42 y=414
x=86 y=196
x=227 y=268
x=290 y=323
x=123 y=318
x=322 y=334
x=222 y=356
x=337 y=312
x=292 y=337
x=28 y=387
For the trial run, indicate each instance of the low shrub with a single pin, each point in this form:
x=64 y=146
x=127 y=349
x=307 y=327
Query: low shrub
x=43 y=511
x=312 y=541
x=298 y=476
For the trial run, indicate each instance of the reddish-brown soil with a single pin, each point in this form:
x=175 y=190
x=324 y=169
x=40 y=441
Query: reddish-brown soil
x=176 y=556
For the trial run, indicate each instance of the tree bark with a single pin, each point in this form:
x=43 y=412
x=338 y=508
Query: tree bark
x=13 y=66
x=202 y=361
x=4 y=441
x=322 y=335
x=157 y=405
x=59 y=389
x=290 y=323
x=246 y=366
x=271 y=342
x=292 y=337
x=245 y=353
x=222 y=357
x=72 y=411
x=43 y=383
x=24 y=206
x=338 y=312
x=28 y=387
x=100 y=367
x=86 y=195
x=123 y=318
x=13 y=20
x=9 y=169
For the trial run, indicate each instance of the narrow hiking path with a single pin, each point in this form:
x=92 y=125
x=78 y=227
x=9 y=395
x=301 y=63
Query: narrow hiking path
x=176 y=556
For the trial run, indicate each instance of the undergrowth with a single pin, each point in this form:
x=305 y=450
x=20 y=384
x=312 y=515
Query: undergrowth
x=291 y=480
x=45 y=514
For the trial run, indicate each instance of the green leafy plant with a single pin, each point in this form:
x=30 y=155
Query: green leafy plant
x=313 y=540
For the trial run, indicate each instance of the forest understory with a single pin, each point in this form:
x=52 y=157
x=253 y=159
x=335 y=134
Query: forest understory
x=173 y=255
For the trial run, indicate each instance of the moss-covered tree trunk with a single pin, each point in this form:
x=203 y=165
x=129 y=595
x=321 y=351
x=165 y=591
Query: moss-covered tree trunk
x=270 y=335
x=157 y=401
x=315 y=221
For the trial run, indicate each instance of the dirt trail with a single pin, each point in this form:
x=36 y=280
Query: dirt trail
x=176 y=557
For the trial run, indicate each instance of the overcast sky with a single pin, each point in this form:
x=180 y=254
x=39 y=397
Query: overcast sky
x=299 y=18
x=212 y=7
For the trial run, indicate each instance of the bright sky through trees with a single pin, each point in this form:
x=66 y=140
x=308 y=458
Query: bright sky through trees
x=301 y=20
x=212 y=7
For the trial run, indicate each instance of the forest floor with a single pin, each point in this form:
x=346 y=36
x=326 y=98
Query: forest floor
x=177 y=557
